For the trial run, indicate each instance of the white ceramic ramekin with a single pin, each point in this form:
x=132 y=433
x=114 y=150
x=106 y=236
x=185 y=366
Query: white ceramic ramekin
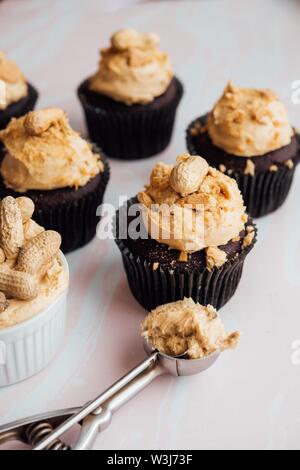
x=28 y=347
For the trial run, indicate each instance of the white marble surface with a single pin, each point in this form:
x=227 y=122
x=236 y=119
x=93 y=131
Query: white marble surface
x=250 y=399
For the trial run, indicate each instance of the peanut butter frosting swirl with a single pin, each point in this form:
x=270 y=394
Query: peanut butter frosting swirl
x=43 y=152
x=14 y=82
x=247 y=122
x=184 y=327
x=133 y=70
x=191 y=206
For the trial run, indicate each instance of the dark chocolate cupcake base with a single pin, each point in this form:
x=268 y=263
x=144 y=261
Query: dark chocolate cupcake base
x=19 y=108
x=267 y=189
x=130 y=132
x=265 y=192
x=69 y=211
x=156 y=276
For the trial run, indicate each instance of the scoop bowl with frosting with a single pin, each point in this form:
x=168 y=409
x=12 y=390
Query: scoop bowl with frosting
x=130 y=102
x=247 y=135
x=185 y=235
x=17 y=96
x=188 y=329
x=46 y=160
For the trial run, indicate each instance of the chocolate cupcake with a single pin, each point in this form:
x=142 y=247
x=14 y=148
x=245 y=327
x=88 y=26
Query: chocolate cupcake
x=17 y=97
x=186 y=235
x=130 y=103
x=45 y=160
x=247 y=136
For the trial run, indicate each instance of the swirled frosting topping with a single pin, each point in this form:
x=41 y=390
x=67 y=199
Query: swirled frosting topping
x=15 y=86
x=133 y=70
x=191 y=206
x=44 y=152
x=247 y=122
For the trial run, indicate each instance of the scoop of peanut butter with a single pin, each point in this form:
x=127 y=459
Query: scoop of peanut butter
x=186 y=327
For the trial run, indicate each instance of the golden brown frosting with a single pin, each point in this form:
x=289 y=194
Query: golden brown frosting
x=186 y=327
x=206 y=206
x=247 y=122
x=14 y=81
x=43 y=152
x=133 y=70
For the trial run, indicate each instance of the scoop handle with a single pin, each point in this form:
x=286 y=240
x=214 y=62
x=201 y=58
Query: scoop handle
x=107 y=403
x=98 y=421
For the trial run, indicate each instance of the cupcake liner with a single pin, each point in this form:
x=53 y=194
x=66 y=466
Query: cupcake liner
x=131 y=135
x=19 y=108
x=70 y=212
x=152 y=288
x=264 y=192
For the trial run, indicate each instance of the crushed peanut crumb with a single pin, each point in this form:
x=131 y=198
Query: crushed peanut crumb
x=184 y=257
x=249 y=168
x=193 y=131
x=155 y=266
x=290 y=164
x=248 y=239
x=215 y=257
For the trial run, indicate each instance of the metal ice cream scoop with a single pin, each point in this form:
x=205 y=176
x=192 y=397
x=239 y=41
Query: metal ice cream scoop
x=43 y=431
